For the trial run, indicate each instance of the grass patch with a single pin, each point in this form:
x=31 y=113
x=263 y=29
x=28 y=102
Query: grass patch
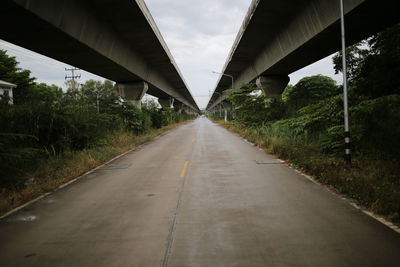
x=373 y=184
x=60 y=169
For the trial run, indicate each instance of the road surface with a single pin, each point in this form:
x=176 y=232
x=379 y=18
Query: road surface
x=197 y=196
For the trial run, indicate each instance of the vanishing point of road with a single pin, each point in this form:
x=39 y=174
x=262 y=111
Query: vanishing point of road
x=197 y=196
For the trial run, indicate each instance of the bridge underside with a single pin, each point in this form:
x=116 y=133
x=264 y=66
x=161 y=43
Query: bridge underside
x=280 y=37
x=115 y=39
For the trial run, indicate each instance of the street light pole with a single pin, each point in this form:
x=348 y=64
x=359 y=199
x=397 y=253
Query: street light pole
x=345 y=94
x=212 y=102
x=220 y=105
x=223 y=74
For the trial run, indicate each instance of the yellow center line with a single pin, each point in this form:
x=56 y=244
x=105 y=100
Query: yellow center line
x=184 y=169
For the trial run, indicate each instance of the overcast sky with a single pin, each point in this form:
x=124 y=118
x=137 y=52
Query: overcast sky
x=199 y=34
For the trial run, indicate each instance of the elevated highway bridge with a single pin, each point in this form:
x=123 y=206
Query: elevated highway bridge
x=279 y=37
x=115 y=39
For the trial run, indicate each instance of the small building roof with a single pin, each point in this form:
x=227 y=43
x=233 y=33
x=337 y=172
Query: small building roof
x=7 y=85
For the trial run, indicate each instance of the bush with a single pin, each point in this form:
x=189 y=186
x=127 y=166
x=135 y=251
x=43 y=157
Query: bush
x=377 y=122
x=309 y=90
x=46 y=123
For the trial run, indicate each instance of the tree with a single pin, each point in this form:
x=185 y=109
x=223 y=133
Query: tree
x=310 y=90
x=355 y=57
x=374 y=71
x=10 y=72
x=253 y=109
x=286 y=92
x=379 y=75
x=100 y=94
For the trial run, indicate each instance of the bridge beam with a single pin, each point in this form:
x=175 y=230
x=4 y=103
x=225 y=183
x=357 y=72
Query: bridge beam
x=166 y=102
x=273 y=85
x=133 y=92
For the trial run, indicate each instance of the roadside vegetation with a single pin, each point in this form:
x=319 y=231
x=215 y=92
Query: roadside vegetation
x=305 y=124
x=50 y=136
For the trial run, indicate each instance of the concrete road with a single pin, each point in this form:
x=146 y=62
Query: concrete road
x=198 y=196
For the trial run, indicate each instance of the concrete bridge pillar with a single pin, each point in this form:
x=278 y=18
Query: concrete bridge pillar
x=178 y=106
x=227 y=107
x=190 y=111
x=272 y=85
x=134 y=92
x=166 y=102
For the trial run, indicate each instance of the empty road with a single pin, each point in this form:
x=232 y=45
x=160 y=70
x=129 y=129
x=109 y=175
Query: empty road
x=197 y=196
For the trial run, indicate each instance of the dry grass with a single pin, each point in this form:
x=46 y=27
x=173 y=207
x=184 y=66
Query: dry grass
x=60 y=169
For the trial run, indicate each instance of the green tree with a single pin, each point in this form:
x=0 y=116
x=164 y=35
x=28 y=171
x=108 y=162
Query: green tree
x=355 y=58
x=10 y=72
x=310 y=90
x=379 y=75
x=374 y=71
x=47 y=121
x=251 y=108
x=100 y=94
x=286 y=92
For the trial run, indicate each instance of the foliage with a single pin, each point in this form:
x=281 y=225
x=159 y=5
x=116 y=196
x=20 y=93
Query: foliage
x=311 y=111
x=355 y=58
x=285 y=94
x=377 y=128
x=61 y=168
x=251 y=108
x=12 y=154
x=160 y=117
x=10 y=72
x=377 y=72
x=46 y=122
x=308 y=131
x=309 y=90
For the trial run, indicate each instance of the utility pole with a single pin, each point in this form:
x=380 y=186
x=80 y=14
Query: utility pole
x=73 y=76
x=345 y=94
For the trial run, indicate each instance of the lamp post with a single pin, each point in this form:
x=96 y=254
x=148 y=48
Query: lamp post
x=220 y=104
x=212 y=102
x=345 y=95
x=223 y=74
x=230 y=76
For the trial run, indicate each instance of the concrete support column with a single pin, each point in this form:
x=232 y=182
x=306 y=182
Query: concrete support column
x=166 y=102
x=133 y=92
x=272 y=85
x=178 y=106
x=190 y=111
x=227 y=107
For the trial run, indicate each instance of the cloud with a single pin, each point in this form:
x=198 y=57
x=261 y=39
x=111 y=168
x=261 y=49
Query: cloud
x=200 y=35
